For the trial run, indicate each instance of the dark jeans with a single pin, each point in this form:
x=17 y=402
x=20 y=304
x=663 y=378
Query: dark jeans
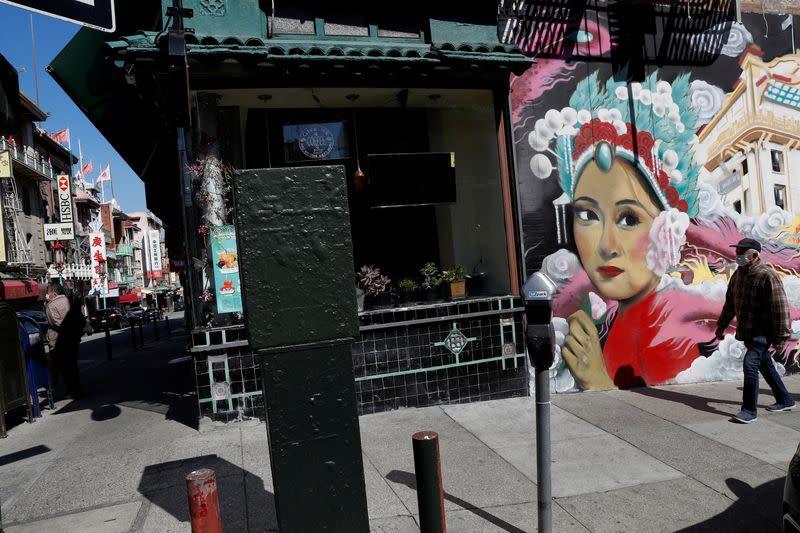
x=757 y=358
x=65 y=358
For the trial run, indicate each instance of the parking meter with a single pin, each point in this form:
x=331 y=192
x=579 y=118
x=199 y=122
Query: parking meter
x=538 y=294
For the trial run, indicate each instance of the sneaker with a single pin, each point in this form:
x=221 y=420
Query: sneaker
x=779 y=407
x=743 y=417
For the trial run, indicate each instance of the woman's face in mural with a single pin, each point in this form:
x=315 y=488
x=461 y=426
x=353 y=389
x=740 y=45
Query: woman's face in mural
x=613 y=215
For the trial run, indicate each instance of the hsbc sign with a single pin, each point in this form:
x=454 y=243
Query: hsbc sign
x=64 y=198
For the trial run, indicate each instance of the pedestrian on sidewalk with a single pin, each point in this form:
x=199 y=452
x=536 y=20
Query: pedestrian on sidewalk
x=756 y=298
x=65 y=322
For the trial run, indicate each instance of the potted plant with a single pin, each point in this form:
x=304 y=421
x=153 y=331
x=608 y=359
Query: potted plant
x=430 y=281
x=454 y=280
x=407 y=287
x=373 y=283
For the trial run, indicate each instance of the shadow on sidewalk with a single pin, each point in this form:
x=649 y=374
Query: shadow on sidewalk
x=156 y=379
x=410 y=480
x=244 y=503
x=699 y=403
x=756 y=509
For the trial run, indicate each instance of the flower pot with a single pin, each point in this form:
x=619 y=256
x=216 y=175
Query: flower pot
x=456 y=289
x=431 y=295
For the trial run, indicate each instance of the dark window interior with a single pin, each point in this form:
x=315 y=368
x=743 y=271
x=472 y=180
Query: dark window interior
x=398 y=240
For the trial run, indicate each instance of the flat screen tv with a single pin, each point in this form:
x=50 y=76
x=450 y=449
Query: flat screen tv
x=397 y=180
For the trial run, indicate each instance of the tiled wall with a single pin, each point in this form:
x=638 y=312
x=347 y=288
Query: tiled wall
x=417 y=369
x=244 y=373
x=400 y=360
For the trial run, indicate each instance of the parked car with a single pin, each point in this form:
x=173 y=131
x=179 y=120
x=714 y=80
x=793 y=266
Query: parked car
x=153 y=314
x=135 y=314
x=113 y=315
x=791 y=496
x=179 y=305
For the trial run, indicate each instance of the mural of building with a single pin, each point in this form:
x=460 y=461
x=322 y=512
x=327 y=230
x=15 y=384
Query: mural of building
x=751 y=145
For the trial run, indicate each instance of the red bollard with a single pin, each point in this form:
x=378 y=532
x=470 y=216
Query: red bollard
x=201 y=486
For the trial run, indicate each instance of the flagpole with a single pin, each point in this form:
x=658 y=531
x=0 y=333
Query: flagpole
x=111 y=179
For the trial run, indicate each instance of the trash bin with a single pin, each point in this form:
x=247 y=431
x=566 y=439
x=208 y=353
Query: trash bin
x=13 y=379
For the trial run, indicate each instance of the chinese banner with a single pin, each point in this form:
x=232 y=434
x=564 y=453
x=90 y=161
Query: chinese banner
x=97 y=249
x=226 y=269
x=155 y=270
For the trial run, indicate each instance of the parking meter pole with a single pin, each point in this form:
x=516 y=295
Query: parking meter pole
x=430 y=493
x=538 y=295
x=169 y=328
x=544 y=495
x=141 y=333
x=155 y=327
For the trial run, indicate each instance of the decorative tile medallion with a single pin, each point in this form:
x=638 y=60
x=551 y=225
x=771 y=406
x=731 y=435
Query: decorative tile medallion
x=215 y=8
x=455 y=341
x=220 y=390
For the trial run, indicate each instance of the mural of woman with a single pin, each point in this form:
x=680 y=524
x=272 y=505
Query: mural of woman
x=633 y=190
x=637 y=305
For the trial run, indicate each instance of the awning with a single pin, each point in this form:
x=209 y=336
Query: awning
x=128 y=298
x=12 y=289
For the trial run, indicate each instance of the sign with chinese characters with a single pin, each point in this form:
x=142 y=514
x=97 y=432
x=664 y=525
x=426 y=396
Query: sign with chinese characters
x=97 y=249
x=63 y=231
x=155 y=270
x=226 y=269
x=64 y=198
x=5 y=165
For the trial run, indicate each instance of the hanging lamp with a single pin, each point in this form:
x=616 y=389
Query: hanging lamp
x=359 y=178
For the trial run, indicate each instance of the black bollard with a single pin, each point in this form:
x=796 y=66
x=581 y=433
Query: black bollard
x=133 y=334
x=430 y=495
x=141 y=333
x=155 y=327
x=169 y=329
x=108 y=341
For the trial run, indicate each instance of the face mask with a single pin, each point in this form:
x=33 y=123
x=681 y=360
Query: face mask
x=741 y=260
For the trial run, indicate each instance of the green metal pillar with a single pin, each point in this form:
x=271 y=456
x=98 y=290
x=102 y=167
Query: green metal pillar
x=296 y=266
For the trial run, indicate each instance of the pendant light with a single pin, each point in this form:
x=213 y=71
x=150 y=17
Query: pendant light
x=359 y=178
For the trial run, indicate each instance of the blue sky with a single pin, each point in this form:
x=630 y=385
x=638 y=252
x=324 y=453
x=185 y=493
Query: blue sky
x=51 y=36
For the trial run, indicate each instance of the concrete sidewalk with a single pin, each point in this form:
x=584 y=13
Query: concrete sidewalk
x=659 y=459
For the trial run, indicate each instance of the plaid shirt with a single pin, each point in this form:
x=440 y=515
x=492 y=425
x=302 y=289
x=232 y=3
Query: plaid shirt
x=756 y=297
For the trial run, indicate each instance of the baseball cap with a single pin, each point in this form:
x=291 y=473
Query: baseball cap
x=748 y=244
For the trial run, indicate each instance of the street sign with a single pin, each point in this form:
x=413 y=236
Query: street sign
x=64 y=198
x=60 y=231
x=97 y=14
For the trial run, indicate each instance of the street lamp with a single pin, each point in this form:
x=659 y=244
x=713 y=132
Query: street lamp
x=58 y=259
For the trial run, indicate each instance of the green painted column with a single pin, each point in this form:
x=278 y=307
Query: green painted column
x=296 y=266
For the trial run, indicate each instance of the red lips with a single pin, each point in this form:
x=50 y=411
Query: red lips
x=610 y=271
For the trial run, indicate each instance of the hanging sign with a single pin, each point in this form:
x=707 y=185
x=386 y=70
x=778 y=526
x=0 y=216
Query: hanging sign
x=156 y=270
x=63 y=231
x=97 y=14
x=5 y=165
x=228 y=288
x=64 y=198
x=97 y=250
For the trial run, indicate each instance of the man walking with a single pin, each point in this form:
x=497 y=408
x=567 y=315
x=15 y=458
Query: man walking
x=757 y=299
x=64 y=337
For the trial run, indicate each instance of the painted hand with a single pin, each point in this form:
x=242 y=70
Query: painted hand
x=584 y=356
